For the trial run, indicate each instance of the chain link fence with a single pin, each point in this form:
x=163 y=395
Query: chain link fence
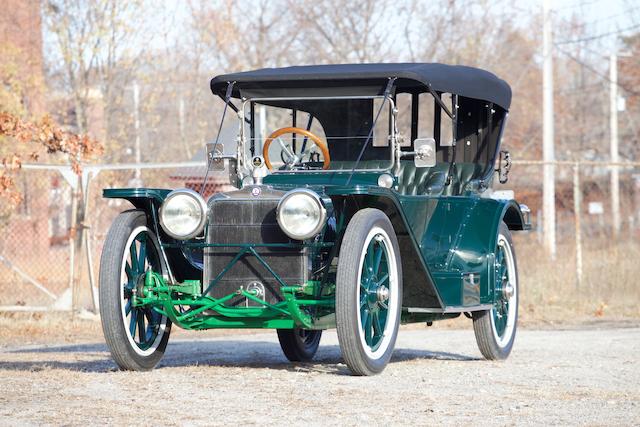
x=594 y=270
x=34 y=250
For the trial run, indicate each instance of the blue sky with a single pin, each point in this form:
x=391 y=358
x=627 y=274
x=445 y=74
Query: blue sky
x=604 y=16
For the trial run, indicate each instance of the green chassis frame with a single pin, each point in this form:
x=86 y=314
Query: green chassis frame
x=287 y=314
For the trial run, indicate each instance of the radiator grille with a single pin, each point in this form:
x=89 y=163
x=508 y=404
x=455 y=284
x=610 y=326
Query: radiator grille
x=244 y=218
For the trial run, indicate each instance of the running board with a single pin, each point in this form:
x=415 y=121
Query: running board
x=451 y=309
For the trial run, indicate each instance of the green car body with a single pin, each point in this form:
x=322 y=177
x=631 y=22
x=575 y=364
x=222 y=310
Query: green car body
x=446 y=221
x=448 y=238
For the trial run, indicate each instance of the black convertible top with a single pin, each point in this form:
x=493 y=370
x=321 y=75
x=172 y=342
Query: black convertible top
x=411 y=77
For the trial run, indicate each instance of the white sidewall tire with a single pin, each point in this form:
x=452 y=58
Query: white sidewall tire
x=512 y=278
x=490 y=343
x=392 y=316
x=358 y=356
x=125 y=352
x=163 y=325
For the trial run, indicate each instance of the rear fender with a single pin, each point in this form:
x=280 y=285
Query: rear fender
x=516 y=216
x=447 y=243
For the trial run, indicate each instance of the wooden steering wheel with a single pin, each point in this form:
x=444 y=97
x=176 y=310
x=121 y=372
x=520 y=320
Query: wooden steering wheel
x=316 y=140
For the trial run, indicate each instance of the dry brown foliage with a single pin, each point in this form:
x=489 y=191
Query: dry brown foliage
x=43 y=134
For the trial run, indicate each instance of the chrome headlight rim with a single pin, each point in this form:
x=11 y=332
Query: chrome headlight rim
x=318 y=202
x=203 y=209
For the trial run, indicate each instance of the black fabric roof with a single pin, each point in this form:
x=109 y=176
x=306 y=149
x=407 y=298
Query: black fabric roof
x=411 y=77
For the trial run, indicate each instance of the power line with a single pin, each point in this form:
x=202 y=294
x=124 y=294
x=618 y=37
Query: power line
x=610 y=17
x=596 y=72
x=599 y=36
x=579 y=4
x=576 y=89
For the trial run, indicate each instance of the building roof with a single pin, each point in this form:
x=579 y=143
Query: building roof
x=197 y=173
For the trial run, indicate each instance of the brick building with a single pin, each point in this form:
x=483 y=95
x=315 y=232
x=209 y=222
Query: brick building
x=21 y=34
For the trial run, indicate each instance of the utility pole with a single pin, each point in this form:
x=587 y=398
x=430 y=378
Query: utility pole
x=136 y=124
x=548 y=186
x=613 y=127
x=181 y=126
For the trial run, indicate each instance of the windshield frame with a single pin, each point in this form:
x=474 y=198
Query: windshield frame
x=391 y=134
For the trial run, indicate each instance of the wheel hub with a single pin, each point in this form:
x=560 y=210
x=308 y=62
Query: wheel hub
x=507 y=290
x=139 y=288
x=382 y=293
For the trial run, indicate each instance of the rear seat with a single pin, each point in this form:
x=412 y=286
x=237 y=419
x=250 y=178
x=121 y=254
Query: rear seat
x=414 y=181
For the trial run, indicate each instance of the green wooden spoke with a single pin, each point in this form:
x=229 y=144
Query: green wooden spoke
x=373 y=312
x=142 y=330
x=133 y=252
x=128 y=271
x=378 y=257
x=142 y=256
x=383 y=279
x=143 y=323
x=133 y=322
x=501 y=307
x=370 y=255
x=377 y=327
x=367 y=331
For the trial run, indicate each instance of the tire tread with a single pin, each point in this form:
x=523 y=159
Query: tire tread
x=346 y=321
x=110 y=315
x=482 y=319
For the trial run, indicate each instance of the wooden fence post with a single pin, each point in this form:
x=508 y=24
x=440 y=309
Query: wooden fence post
x=577 y=211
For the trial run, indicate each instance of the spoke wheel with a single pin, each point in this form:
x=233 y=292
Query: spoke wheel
x=368 y=292
x=374 y=291
x=136 y=335
x=495 y=329
x=299 y=345
x=143 y=323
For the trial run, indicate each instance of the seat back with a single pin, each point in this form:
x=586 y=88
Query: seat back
x=414 y=181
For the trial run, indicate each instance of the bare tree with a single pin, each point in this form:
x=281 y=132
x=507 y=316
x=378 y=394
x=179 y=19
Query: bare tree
x=240 y=35
x=97 y=47
x=337 y=31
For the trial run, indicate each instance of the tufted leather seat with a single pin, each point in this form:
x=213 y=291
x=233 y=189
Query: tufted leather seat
x=414 y=181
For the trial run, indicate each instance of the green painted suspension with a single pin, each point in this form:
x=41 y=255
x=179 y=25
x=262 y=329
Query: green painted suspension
x=186 y=306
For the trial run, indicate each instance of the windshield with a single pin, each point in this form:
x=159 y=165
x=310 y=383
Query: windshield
x=320 y=134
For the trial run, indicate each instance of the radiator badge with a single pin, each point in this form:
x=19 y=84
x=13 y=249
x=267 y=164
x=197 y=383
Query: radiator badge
x=255 y=191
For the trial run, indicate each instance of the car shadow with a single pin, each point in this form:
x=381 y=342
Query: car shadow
x=210 y=353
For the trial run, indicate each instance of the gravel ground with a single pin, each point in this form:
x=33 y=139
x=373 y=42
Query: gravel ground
x=568 y=377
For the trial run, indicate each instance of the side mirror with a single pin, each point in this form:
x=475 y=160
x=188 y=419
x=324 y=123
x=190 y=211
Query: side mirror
x=215 y=162
x=424 y=150
x=504 y=166
x=215 y=156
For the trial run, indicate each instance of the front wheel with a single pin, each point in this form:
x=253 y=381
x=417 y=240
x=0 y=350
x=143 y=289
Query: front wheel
x=495 y=329
x=136 y=335
x=368 y=292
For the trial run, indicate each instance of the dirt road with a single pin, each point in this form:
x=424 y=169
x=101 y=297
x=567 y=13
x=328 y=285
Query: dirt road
x=436 y=377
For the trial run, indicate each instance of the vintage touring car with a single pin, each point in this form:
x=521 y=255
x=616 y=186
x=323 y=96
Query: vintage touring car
x=364 y=199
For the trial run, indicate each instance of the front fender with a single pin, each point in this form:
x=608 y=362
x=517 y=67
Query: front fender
x=149 y=200
x=142 y=198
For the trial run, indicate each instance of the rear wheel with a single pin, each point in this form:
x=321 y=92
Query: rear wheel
x=495 y=329
x=299 y=345
x=368 y=292
x=136 y=335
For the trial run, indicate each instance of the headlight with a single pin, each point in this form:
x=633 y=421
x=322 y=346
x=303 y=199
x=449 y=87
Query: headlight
x=301 y=214
x=183 y=214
